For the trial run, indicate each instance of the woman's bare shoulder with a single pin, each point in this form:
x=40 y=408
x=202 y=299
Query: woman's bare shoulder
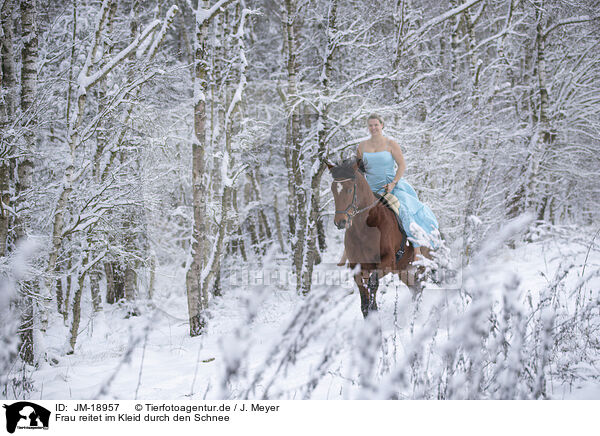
x=392 y=144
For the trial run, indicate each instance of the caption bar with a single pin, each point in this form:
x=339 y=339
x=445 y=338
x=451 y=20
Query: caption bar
x=149 y=412
x=126 y=417
x=69 y=417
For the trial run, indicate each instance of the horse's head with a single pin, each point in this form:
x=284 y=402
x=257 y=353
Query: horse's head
x=345 y=192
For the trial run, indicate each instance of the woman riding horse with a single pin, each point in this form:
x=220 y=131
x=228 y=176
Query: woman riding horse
x=379 y=154
x=373 y=241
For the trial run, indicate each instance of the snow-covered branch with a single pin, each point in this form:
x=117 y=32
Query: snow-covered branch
x=437 y=20
x=86 y=81
x=203 y=16
x=571 y=20
x=158 y=38
x=242 y=65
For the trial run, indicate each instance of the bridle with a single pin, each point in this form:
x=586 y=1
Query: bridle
x=352 y=210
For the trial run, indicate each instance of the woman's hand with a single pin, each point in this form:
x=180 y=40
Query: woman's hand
x=389 y=187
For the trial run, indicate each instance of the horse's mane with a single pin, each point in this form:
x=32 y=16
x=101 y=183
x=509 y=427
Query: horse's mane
x=346 y=169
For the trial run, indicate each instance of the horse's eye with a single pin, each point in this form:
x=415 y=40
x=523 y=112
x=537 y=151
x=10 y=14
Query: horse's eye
x=349 y=190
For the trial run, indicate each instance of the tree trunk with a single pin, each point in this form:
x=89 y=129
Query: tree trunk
x=77 y=302
x=542 y=138
x=130 y=290
x=312 y=252
x=198 y=297
x=115 y=282
x=26 y=326
x=69 y=280
x=231 y=127
x=294 y=159
x=259 y=198
x=95 y=290
x=202 y=254
x=4 y=203
x=59 y=294
x=278 y=224
x=152 y=280
x=7 y=113
x=29 y=57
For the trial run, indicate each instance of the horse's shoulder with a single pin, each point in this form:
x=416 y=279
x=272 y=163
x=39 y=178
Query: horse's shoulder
x=387 y=218
x=380 y=216
x=373 y=217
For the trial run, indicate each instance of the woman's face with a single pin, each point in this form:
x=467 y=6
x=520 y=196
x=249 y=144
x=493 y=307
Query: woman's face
x=374 y=126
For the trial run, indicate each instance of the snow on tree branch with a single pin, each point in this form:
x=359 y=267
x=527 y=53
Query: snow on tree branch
x=168 y=21
x=571 y=20
x=85 y=81
x=203 y=16
x=437 y=20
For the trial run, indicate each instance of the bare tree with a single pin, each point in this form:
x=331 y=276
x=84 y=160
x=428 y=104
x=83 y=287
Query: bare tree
x=203 y=256
x=7 y=118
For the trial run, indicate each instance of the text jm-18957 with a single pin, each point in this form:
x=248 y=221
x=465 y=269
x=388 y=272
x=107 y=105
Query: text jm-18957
x=97 y=407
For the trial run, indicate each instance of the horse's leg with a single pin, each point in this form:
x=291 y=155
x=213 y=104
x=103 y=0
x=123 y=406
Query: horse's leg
x=364 y=293
x=373 y=284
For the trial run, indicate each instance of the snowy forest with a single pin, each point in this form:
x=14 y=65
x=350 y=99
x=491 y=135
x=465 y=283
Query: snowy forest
x=166 y=213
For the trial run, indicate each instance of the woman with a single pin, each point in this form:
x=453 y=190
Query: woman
x=380 y=155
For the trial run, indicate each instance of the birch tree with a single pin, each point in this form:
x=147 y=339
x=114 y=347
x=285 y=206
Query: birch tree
x=29 y=58
x=324 y=129
x=203 y=256
x=8 y=101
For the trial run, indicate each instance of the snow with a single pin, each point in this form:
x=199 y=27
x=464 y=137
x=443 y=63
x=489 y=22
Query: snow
x=204 y=15
x=265 y=341
x=518 y=322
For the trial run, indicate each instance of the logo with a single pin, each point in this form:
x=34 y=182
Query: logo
x=26 y=415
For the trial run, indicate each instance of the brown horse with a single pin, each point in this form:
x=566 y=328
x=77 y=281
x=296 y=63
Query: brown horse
x=373 y=239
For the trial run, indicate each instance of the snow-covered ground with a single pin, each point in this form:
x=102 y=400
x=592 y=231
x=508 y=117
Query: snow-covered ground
x=265 y=341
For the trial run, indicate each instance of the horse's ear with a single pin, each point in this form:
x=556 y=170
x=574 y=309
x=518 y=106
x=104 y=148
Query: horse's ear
x=327 y=162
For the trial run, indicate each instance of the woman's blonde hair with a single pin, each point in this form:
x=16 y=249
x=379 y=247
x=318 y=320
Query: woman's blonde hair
x=377 y=117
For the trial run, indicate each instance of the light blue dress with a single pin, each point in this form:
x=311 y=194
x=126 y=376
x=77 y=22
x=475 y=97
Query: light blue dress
x=418 y=220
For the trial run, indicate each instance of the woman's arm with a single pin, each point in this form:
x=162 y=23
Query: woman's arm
x=359 y=151
x=399 y=158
